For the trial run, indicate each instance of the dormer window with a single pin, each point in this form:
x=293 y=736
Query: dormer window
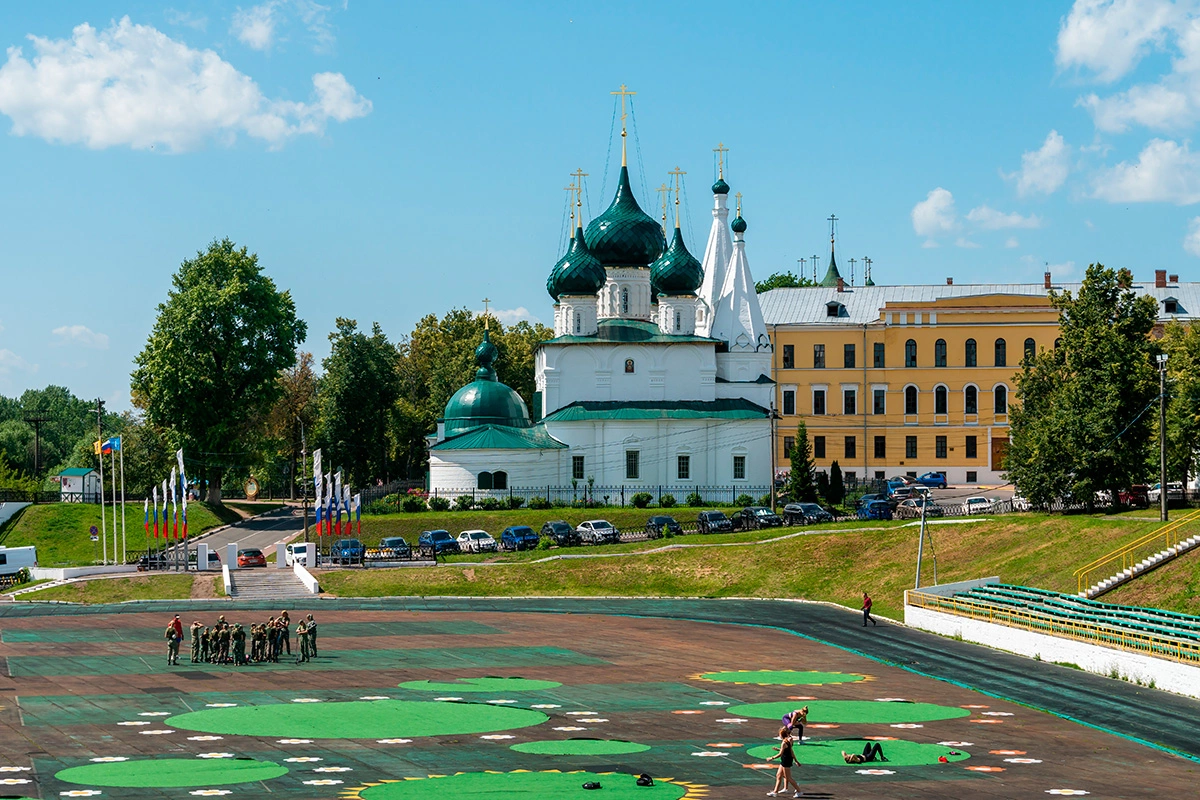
x=1170 y=306
x=833 y=309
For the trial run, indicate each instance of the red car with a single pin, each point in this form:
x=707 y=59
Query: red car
x=251 y=557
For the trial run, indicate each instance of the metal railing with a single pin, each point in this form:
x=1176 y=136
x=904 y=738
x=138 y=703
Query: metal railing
x=1092 y=633
x=1134 y=553
x=616 y=495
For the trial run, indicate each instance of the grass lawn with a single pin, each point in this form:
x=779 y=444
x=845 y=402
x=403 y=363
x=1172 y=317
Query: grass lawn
x=115 y=590
x=1031 y=549
x=1175 y=587
x=60 y=530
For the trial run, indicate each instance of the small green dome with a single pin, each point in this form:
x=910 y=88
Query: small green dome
x=624 y=236
x=578 y=272
x=720 y=187
x=677 y=271
x=738 y=224
x=485 y=401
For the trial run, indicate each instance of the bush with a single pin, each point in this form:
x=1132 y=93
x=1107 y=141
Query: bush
x=493 y=503
x=765 y=500
x=464 y=502
x=544 y=542
x=744 y=500
x=695 y=500
x=539 y=503
x=641 y=499
x=378 y=507
x=439 y=504
x=413 y=504
x=515 y=502
x=667 y=501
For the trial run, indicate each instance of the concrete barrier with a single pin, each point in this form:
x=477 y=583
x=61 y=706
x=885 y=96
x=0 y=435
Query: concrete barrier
x=227 y=580
x=201 y=556
x=306 y=578
x=64 y=573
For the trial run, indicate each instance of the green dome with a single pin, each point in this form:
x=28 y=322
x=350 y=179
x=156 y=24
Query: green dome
x=623 y=236
x=720 y=187
x=677 y=271
x=485 y=401
x=738 y=224
x=578 y=272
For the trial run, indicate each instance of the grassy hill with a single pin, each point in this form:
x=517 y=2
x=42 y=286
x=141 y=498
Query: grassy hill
x=1175 y=587
x=60 y=530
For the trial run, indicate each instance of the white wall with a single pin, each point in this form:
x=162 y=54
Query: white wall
x=1171 y=676
x=459 y=469
x=596 y=371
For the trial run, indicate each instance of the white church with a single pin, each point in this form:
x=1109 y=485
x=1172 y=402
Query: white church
x=658 y=375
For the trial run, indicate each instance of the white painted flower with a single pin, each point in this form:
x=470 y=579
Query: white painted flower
x=546 y=705
x=155 y=714
x=592 y=719
x=303 y=759
x=997 y=713
x=294 y=741
x=709 y=754
x=23 y=769
x=156 y=733
x=393 y=741
x=570 y=728
x=109 y=759
x=333 y=769
x=501 y=702
x=205 y=738
x=875 y=771
x=14 y=781
x=322 y=782
x=217 y=705
x=375 y=697
x=447 y=699
x=713 y=703
x=135 y=722
x=497 y=736
x=582 y=713
x=907 y=725
x=210 y=792
x=1068 y=792
x=957 y=744
x=734 y=720
x=215 y=755
x=80 y=793
x=305 y=700
x=1023 y=760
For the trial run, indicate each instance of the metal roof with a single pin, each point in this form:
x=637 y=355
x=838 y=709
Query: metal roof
x=725 y=408
x=74 y=472
x=501 y=437
x=806 y=306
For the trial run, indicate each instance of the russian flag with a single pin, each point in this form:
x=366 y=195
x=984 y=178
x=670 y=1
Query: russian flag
x=146 y=518
x=318 y=510
x=156 y=511
x=358 y=512
x=185 y=516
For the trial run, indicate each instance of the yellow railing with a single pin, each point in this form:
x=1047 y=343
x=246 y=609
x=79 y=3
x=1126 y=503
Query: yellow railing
x=1133 y=553
x=1135 y=641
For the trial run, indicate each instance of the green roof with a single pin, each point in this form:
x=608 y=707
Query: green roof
x=832 y=274
x=627 y=330
x=502 y=437
x=485 y=400
x=732 y=408
x=676 y=271
x=624 y=236
x=74 y=472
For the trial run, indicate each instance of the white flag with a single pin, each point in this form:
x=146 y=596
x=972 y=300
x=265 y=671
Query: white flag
x=182 y=478
x=317 y=474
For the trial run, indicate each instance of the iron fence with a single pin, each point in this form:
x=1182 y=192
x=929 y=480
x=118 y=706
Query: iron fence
x=585 y=496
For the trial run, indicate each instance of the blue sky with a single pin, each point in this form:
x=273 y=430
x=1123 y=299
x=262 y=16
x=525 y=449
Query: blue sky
x=387 y=160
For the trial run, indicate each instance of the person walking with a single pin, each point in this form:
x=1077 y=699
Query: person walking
x=787 y=759
x=173 y=640
x=866 y=609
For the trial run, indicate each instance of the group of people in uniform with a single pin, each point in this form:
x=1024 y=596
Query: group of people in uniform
x=224 y=643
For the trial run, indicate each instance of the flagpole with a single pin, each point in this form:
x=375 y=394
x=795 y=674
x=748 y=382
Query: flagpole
x=113 y=455
x=100 y=453
x=124 y=556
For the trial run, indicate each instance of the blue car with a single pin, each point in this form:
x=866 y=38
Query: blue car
x=519 y=537
x=934 y=480
x=876 y=509
x=439 y=541
x=347 y=551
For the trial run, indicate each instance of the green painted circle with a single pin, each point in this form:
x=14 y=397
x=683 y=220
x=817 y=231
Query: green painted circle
x=482 y=685
x=784 y=677
x=826 y=711
x=507 y=785
x=580 y=747
x=164 y=773
x=899 y=753
x=375 y=719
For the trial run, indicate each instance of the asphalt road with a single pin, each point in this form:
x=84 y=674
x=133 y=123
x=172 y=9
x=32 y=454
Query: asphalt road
x=263 y=532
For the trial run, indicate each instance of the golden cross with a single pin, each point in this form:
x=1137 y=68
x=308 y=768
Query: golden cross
x=624 y=92
x=579 y=175
x=738 y=195
x=678 y=173
x=485 y=313
x=720 y=150
x=664 y=190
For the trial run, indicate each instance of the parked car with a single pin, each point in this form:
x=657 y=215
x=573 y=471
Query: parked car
x=347 y=551
x=713 y=522
x=476 y=541
x=393 y=548
x=867 y=498
x=561 y=533
x=1174 y=492
x=658 y=526
x=439 y=541
x=876 y=509
x=1137 y=496
x=899 y=481
x=251 y=557
x=902 y=493
x=1020 y=503
x=754 y=517
x=164 y=561
x=598 y=531
x=296 y=553
x=518 y=537
x=805 y=514
x=977 y=505
x=911 y=508
x=933 y=480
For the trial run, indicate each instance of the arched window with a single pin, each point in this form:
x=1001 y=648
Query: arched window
x=578 y=322
x=940 y=400
x=629 y=366
x=939 y=353
x=499 y=480
x=1001 y=353
x=970 y=400
x=624 y=301
x=484 y=481
x=1030 y=348
x=678 y=320
x=1001 y=395
x=910 y=353
x=910 y=400
x=970 y=359
x=1057 y=343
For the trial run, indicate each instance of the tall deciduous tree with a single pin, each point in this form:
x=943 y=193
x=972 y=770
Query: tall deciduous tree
x=801 y=486
x=1082 y=419
x=358 y=394
x=209 y=372
x=781 y=280
x=1182 y=346
x=295 y=412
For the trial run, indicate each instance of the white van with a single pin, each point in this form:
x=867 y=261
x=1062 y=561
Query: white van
x=296 y=553
x=15 y=559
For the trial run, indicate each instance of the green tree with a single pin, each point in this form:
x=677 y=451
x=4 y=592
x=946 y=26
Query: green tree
x=209 y=371
x=1081 y=421
x=800 y=484
x=1182 y=346
x=837 y=488
x=295 y=411
x=358 y=394
x=781 y=280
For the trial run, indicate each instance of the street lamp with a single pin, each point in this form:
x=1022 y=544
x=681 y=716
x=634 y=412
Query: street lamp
x=1162 y=436
x=303 y=474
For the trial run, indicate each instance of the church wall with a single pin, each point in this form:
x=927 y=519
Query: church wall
x=569 y=373
x=451 y=471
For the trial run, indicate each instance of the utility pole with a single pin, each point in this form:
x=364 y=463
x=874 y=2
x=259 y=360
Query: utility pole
x=36 y=418
x=774 y=416
x=100 y=454
x=304 y=475
x=921 y=543
x=1162 y=436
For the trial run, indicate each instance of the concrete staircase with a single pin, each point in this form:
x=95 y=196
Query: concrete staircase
x=267 y=584
x=1142 y=567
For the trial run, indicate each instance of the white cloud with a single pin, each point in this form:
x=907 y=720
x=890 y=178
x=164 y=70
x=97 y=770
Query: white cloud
x=81 y=336
x=255 y=27
x=1043 y=170
x=1165 y=172
x=511 y=316
x=1110 y=37
x=1191 y=242
x=186 y=19
x=966 y=243
x=131 y=85
x=1063 y=271
x=259 y=27
x=989 y=219
x=935 y=216
x=1011 y=242
x=11 y=362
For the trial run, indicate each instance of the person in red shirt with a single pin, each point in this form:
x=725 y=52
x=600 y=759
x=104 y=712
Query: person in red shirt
x=177 y=624
x=866 y=609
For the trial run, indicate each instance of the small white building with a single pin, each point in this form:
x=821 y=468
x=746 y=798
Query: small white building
x=80 y=485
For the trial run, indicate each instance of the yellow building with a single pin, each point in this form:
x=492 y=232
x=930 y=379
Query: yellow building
x=912 y=379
